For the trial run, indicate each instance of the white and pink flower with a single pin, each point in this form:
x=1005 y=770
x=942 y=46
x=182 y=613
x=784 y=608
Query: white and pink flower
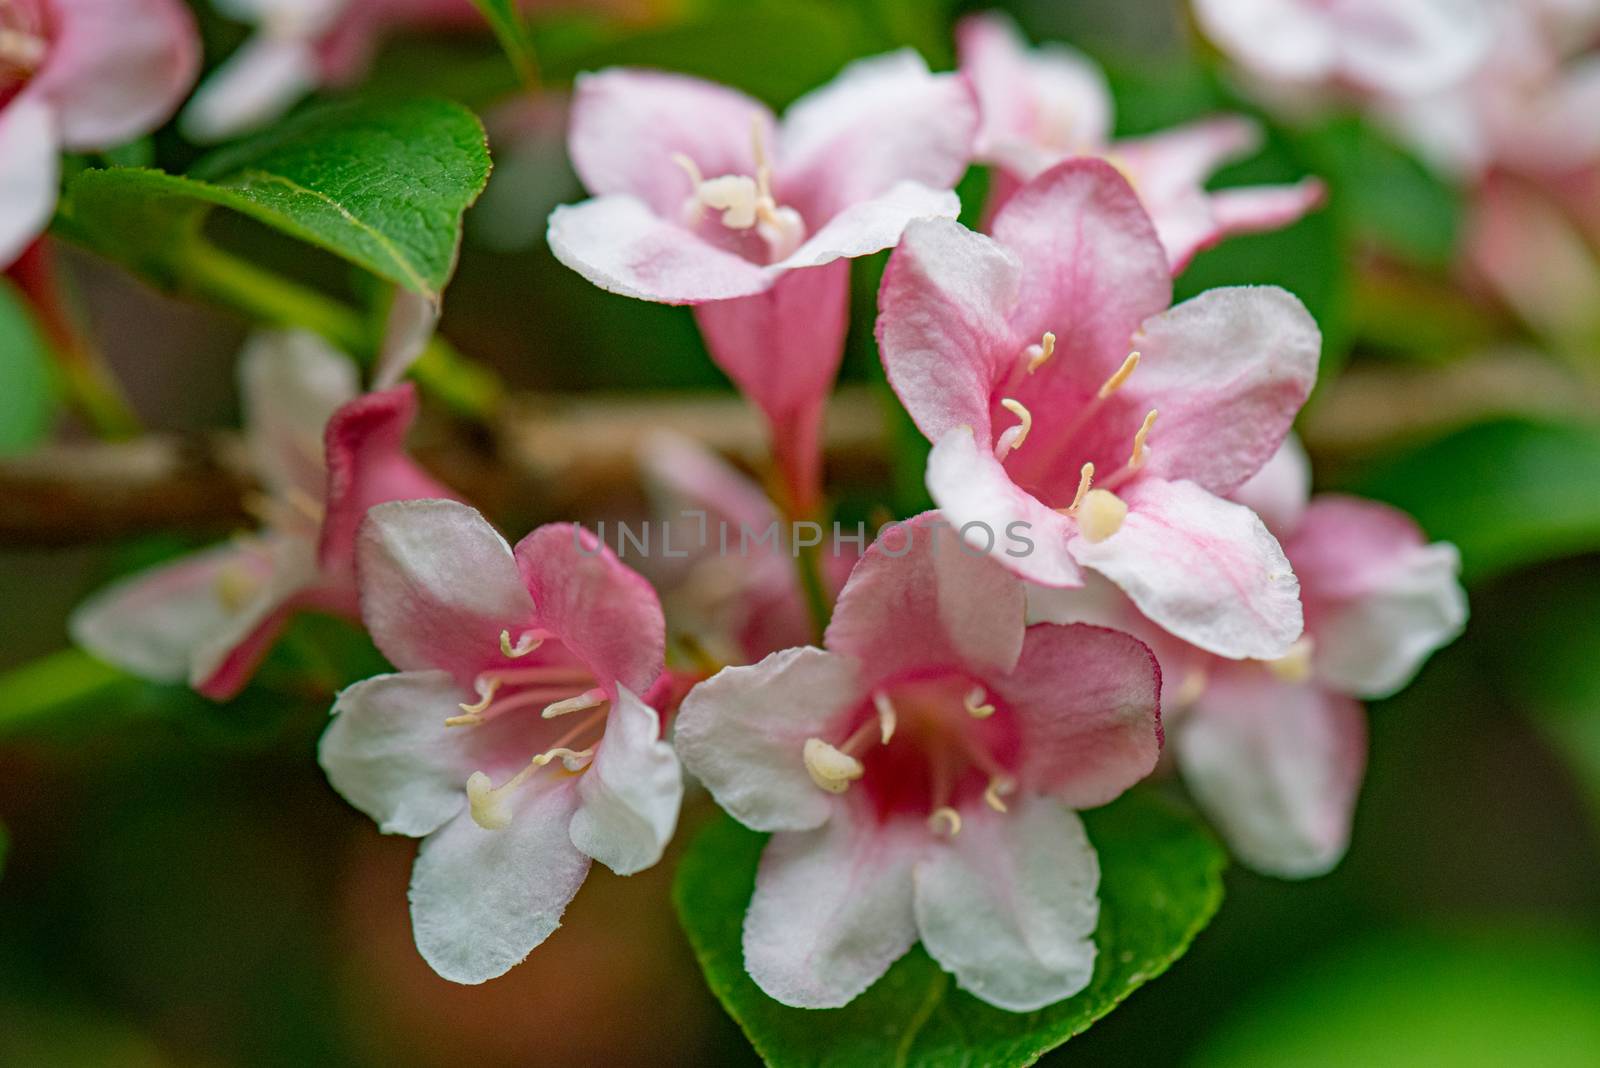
x=80 y=75
x=1067 y=401
x=702 y=197
x=919 y=775
x=324 y=453
x=1041 y=106
x=510 y=740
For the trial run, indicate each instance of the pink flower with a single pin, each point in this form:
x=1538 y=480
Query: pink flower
x=919 y=775
x=325 y=455
x=510 y=740
x=80 y=75
x=701 y=197
x=1070 y=408
x=1045 y=105
x=1274 y=751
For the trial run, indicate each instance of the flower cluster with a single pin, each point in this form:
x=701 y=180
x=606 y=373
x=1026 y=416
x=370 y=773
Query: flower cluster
x=1122 y=551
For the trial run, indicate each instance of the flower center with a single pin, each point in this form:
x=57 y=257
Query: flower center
x=923 y=744
x=22 y=44
x=746 y=202
x=558 y=689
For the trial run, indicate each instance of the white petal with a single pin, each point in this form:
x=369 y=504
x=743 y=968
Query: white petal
x=29 y=174
x=258 y=83
x=291 y=382
x=631 y=793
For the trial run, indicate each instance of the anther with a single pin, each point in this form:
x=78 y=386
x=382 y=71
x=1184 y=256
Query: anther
x=1137 y=459
x=1014 y=436
x=588 y=699
x=946 y=820
x=487 y=687
x=830 y=768
x=1085 y=480
x=998 y=787
x=977 y=704
x=1100 y=514
x=1295 y=665
x=571 y=759
x=526 y=644
x=886 y=716
x=1039 y=355
x=1114 y=383
x=21 y=50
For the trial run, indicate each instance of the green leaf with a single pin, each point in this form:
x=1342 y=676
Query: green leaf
x=383 y=186
x=1160 y=884
x=56 y=683
x=512 y=32
x=27 y=395
x=1507 y=493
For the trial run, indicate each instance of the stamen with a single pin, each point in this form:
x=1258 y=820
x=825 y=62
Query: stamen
x=1100 y=514
x=1114 y=383
x=21 y=50
x=886 y=716
x=947 y=818
x=758 y=149
x=490 y=804
x=526 y=644
x=998 y=787
x=486 y=686
x=977 y=704
x=588 y=699
x=571 y=759
x=829 y=768
x=1189 y=691
x=1136 y=461
x=735 y=196
x=1013 y=437
x=1039 y=355
x=690 y=168
x=1085 y=480
x=304 y=503
x=1295 y=665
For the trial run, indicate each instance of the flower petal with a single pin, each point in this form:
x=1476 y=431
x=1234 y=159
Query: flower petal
x=482 y=900
x=438 y=585
x=882 y=121
x=627 y=125
x=1227 y=370
x=976 y=495
x=943 y=324
x=1087 y=702
x=388 y=752
x=832 y=910
x=604 y=611
x=1204 y=568
x=1280 y=491
x=229 y=654
x=872 y=225
x=30 y=173
x=291 y=382
x=117 y=69
x=1379 y=599
x=742 y=732
x=1009 y=904
x=630 y=795
x=920 y=595
x=1276 y=767
x=258 y=83
x=620 y=245
x=412 y=321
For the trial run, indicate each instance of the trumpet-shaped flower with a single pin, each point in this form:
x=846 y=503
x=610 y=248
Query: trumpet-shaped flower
x=920 y=775
x=702 y=197
x=80 y=75
x=510 y=740
x=1045 y=105
x=324 y=455
x=1069 y=405
x=1275 y=750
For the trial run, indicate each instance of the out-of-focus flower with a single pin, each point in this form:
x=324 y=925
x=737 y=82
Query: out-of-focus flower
x=1300 y=54
x=511 y=739
x=1044 y=105
x=80 y=75
x=1274 y=751
x=920 y=775
x=325 y=455
x=1038 y=362
x=702 y=197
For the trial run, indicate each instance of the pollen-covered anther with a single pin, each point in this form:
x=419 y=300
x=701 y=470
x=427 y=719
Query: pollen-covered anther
x=21 y=50
x=1100 y=514
x=472 y=715
x=1114 y=383
x=977 y=703
x=525 y=644
x=830 y=768
x=1039 y=355
x=587 y=699
x=887 y=717
x=1013 y=437
x=1295 y=665
x=571 y=759
x=1140 y=453
x=489 y=804
x=1085 y=480
x=999 y=787
x=945 y=820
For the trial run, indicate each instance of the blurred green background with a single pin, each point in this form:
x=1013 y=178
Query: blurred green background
x=181 y=886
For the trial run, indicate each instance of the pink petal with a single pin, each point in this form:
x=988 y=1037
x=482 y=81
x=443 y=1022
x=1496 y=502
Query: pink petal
x=290 y=384
x=438 y=585
x=627 y=125
x=921 y=596
x=603 y=610
x=368 y=465
x=782 y=348
x=631 y=793
x=1087 y=701
x=882 y=121
x=1276 y=767
x=872 y=225
x=1204 y=568
x=618 y=243
x=832 y=910
x=1280 y=491
x=30 y=174
x=975 y=494
x=117 y=69
x=943 y=324
x=1092 y=267
x=224 y=661
x=1009 y=905
x=1228 y=371
x=1378 y=598
x=743 y=732
x=482 y=900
